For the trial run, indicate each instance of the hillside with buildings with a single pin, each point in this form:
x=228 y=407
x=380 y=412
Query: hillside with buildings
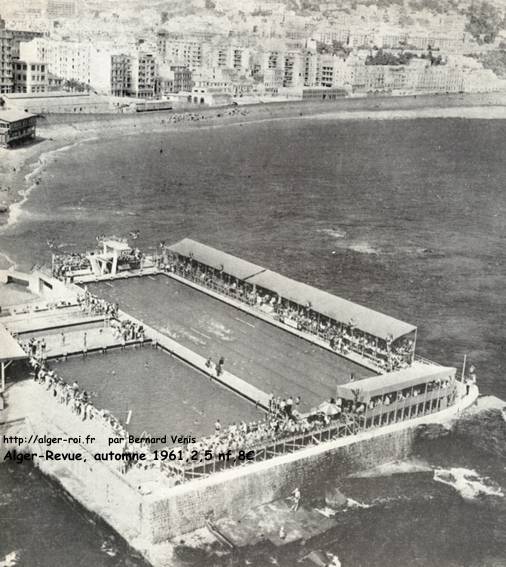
x=216 y=52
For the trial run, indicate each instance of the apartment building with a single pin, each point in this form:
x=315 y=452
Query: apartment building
x=6 y=59
x=174 y=79
x=293 y=69
x=61 y=9
x=30 y=77
x=144 y=75
x=175 y=51
x=69 y=60
x=111 y=72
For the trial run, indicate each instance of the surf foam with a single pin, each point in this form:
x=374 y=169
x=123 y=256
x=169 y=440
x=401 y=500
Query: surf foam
x=467 y=482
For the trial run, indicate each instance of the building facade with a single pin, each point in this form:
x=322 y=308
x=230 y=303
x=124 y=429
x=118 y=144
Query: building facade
x=6 y=47
x=16 y=127
x=144 y=75
x=68 y=60
x=174 y=79
x=30 y=77
x=61 y=9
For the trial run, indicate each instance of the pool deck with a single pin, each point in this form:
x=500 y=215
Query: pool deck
x=101 y=338
x=47 y=319
x=98 y=339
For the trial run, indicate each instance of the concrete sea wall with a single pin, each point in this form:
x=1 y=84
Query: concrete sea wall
x=149 y=511
x=98 y=486
x=235 y=491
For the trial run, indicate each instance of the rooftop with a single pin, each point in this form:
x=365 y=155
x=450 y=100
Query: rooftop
x=337 y=308
x=417 y=374
x=9 y=347
x=48 y=95
x=14 y=115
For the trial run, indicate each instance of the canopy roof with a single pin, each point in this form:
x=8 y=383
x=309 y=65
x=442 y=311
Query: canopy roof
x=9 y=347
x=416 y=374
x=342 y=310
x=337 y=308
x=209 y=256
x=10 y=116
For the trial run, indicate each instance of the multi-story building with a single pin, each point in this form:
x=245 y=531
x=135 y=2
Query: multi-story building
x=20 y=36
x=311 y=69
x=144 y=75
x=174 y=79
x=333 y=71
x=68 y=60
x=16 y=127
x=273 y=80
x=30 y=77
x=111 y=72
x=6 y=46
x=61 y=9
x=175 y=51
x=293 y=69
x=440 y=78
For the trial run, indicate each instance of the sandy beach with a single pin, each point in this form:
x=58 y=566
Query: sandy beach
x=22 y=168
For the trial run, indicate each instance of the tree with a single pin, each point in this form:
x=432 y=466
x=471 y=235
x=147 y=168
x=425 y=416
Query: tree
x=484 y=22
x=164 y=17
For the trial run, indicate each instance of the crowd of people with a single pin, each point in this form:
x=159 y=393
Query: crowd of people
x=182 y=117
x=93 y=305
x=79 y=402
x=282 y=422
x=66 y=264
x=409 y=394
x=127 y=330
x=342 y=337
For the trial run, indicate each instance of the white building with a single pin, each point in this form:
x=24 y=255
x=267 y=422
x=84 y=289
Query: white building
x=30 y=76
x=68 y=60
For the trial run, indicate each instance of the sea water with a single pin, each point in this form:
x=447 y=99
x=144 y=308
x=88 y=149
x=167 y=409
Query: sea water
x=408 y=217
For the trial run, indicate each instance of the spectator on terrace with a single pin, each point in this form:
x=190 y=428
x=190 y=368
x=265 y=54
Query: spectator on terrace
x=289 y=406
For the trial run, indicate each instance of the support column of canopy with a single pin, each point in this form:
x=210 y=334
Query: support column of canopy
x=10 y=350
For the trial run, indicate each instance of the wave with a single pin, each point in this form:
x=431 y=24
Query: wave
x=467 y=482
x=219 y=330
x=10 y=560
x=363 y=248
x=350 y=503
x=470 y=113
x=32 y=179
x=396 y=467
x=333 y=232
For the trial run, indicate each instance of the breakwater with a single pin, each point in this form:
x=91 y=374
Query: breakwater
x=148 y=511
